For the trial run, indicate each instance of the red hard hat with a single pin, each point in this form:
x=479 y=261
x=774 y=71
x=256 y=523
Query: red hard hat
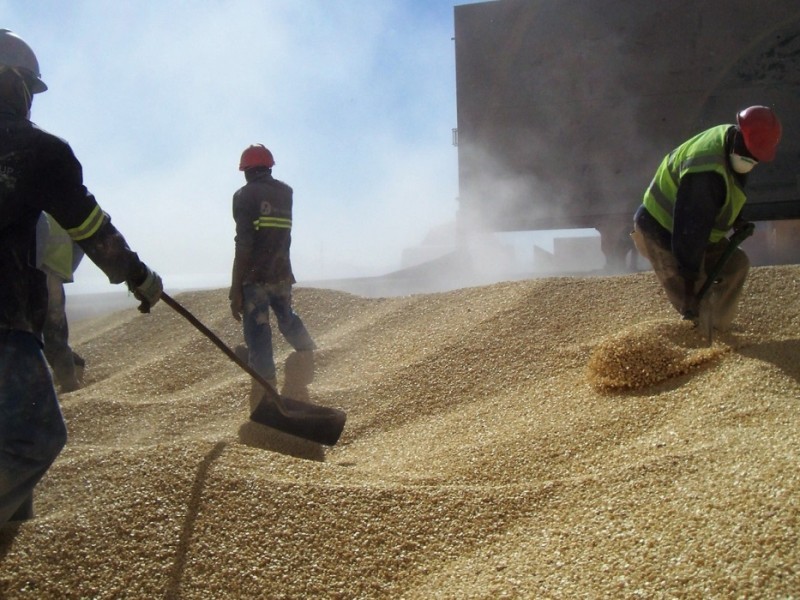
x=761 y=130
x=256 y=156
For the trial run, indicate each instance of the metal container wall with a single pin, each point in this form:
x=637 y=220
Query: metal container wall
x=566 y=107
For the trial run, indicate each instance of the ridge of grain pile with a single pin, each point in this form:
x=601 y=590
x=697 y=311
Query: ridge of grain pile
x=478 y=461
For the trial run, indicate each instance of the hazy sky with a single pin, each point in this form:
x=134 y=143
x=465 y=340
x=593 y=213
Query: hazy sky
x=355 y=98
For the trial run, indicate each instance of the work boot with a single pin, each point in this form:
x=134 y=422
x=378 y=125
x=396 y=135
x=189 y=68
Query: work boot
x=257 y=392
x=80 y=367
x=242 y=352
x=69 y=384
x=78 y=360
x=24 y=512
x=67 y=380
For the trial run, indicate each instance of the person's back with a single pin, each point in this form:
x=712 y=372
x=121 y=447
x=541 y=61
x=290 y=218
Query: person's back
x=262 y=209
x=23 y=296
x=262 y=270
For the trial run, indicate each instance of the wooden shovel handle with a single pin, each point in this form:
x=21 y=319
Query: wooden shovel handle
x=174 y=304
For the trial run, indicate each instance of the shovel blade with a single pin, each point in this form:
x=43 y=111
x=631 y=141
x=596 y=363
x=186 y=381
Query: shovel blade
x=319 y=424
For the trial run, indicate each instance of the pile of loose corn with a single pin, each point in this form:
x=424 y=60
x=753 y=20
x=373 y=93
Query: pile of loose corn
x=556 y=438
x=648 y=353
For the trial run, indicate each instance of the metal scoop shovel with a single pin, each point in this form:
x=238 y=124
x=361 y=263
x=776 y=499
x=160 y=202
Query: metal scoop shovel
x=318 y=424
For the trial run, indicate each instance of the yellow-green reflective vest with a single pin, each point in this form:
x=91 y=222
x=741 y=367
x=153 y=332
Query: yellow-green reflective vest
x=704 y=152
x=57 y=253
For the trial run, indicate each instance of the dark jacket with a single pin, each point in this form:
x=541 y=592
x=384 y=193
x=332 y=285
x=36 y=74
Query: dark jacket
x=39 y=172
x=262 y=210
x=699 y=199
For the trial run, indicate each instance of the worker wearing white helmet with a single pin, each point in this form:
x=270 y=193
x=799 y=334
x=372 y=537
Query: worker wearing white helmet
x=39 y=173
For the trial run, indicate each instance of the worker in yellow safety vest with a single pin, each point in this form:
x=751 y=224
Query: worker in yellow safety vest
x=694 y=199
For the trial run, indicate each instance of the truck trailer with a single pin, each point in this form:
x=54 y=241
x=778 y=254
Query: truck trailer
x=565 y=108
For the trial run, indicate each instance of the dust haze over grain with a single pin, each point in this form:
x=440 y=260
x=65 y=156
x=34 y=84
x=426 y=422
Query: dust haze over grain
x=502 y=441
x=350 y=97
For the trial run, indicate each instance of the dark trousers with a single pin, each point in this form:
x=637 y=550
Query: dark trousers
x=32 y=430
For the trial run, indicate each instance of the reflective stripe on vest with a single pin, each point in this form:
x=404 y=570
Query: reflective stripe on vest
x=703 y=153
x=89 y=227
x=274 y=222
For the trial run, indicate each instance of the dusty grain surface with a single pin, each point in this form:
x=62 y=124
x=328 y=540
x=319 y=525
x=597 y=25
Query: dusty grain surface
x=558 y=438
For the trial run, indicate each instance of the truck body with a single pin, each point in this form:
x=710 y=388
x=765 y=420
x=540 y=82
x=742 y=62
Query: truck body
x=565 y=108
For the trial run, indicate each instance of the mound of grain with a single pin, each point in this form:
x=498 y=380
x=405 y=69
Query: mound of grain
x=477 y=460
x=648 y=353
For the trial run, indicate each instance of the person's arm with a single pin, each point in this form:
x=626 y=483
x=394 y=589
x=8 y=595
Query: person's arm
x=699 y=200
x=108 y=249
x=76 y=210
x=242 y=252
x=110 y=252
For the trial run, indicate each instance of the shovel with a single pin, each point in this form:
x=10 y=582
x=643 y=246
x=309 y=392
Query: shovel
x=318 y=424
x=706 y=320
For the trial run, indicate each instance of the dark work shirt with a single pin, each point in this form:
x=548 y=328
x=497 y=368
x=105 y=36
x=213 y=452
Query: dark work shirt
x=700 y=198
x=262 y=210
x=39 y=172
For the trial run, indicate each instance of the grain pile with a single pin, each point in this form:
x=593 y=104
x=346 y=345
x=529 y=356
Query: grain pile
x=497 y=446
x=649 y=353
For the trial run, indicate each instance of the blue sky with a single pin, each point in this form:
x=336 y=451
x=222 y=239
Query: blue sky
x=356 y=99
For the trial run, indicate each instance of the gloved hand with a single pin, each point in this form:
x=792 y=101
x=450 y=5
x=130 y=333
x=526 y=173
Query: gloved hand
x=740 y=224
x=237 y=302
x=148 y=291
x=690 y=307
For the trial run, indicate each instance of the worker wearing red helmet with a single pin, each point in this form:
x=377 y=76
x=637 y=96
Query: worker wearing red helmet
x=39 y=173
x=695 y=198
x=262 y=269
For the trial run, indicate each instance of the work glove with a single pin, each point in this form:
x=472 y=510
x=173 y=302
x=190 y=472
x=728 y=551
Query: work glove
x=690 y=307
x=237 y=302
x=148 y=291
x=740 y=224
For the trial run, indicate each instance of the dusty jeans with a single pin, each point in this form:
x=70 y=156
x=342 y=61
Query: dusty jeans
x=32 y=430
x=726 y=293
x=258 y=299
